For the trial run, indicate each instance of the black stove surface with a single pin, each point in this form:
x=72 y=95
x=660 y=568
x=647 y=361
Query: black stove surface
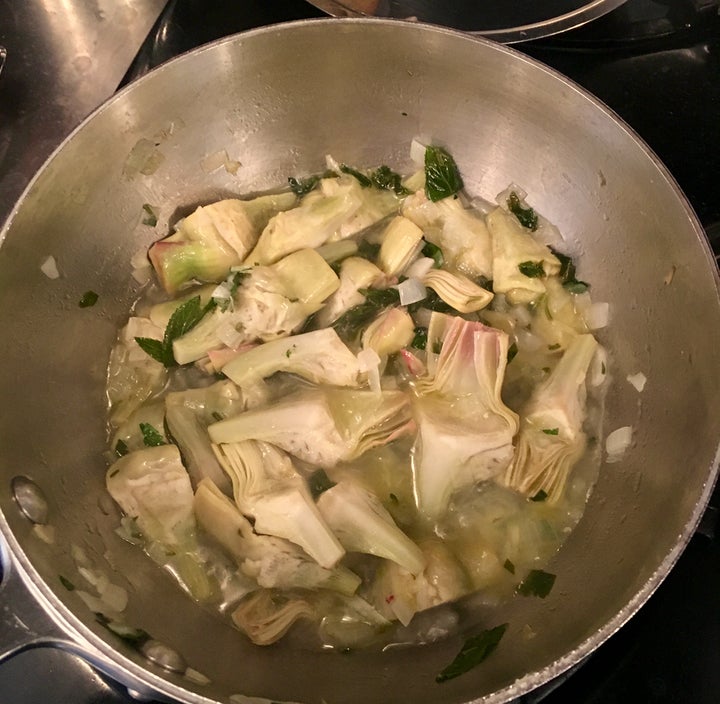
x=657 y=64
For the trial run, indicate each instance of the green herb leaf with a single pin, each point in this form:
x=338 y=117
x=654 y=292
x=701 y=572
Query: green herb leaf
x=435 y=253
x=88 y=300
x=512 y=352
x=150 y=217
x=185 y=317
x=509 y=566
x=420 y=340
x=442 y=176
x=537 y=583
x=567 y=274
x=302 y=186
x=134 y=636
x=437 y=346
x=551 y=431
x=533 y=270
x=484 y=282
x=66 y=583
x=319 y=482
x=121 y=448
x=381 y=297
x=386 y=179
x=432 y=302
x=217 y=416
x=364 y=180
x=540 y=496
x=151 y=437
x=554 y=347
x=474 y=651
x=368 y=251
x=527 y=216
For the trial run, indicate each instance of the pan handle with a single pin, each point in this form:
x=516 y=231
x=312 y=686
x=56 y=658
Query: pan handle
x=25 y=624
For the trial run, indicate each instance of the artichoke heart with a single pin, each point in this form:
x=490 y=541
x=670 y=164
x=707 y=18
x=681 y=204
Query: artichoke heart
x=457 y=290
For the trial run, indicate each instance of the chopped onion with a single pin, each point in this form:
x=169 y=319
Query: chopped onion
x=140 y=260
x=332 y=164
x=637 y=380
x=116 y=597
x=228 y=334
x=142 y=276
x=411 y=291
x=417 y=152
x=419 y=268
x=598 y=367
x=49 y=268
x=369 y=362
x=79 y=555
x=96 y=605
x=214 y=161
x=598 y=315
x=196 y=677
x=46 y=533
x=617 y=442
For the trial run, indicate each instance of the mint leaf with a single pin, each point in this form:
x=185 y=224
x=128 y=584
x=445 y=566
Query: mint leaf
x=442 y=176
x=527 y=216
x=185 y=317
x=151 y=437
x=474 y=651
x=537 y=583
x=533 y=270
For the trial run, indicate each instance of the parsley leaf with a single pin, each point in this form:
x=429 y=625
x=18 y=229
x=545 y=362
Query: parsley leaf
x=473 y=652
x=151 y=437
x=551 y=431
x=540 y=496
x=303 y=185
x=434 y=252
x=533 y=270
x=537 y=583
x=319 y=482
x=186 y=316
x=385 y=178
x=567 y=274
x=150 y=218
x=419 y=341
x=66 y=583
x=121 y=448
x=509 y=566
x=88 y=300
x=364 y=180
x=442 y=176
x=512 y=352
x=349 y=324
x=527 y=216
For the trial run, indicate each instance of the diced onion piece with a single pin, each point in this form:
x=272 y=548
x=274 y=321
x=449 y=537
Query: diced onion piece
x=228 y=334
x=419 y=267
x=417 y=152
x=79 y=555
x=411 y=290
x=46 y=533
x=598 y=367
x=331 y=164
x=140 y=260
x=638 y=380
x=196 y=677
x=617 y=442
x=143 y=275
x=369 y=362
x=95 y=604
x=598 y=315
x=115 y=596
x=214 y=161
x=49 y=268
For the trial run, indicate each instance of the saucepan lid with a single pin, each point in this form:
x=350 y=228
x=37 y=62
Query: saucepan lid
x=506 y=21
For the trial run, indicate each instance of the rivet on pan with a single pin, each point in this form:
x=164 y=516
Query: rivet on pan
x=30 y=498
x=163 y=656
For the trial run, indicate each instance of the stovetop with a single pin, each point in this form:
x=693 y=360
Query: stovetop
x=657 y=64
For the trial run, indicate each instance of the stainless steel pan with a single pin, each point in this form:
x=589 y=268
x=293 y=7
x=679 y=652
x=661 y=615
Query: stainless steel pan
x=279 y=99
